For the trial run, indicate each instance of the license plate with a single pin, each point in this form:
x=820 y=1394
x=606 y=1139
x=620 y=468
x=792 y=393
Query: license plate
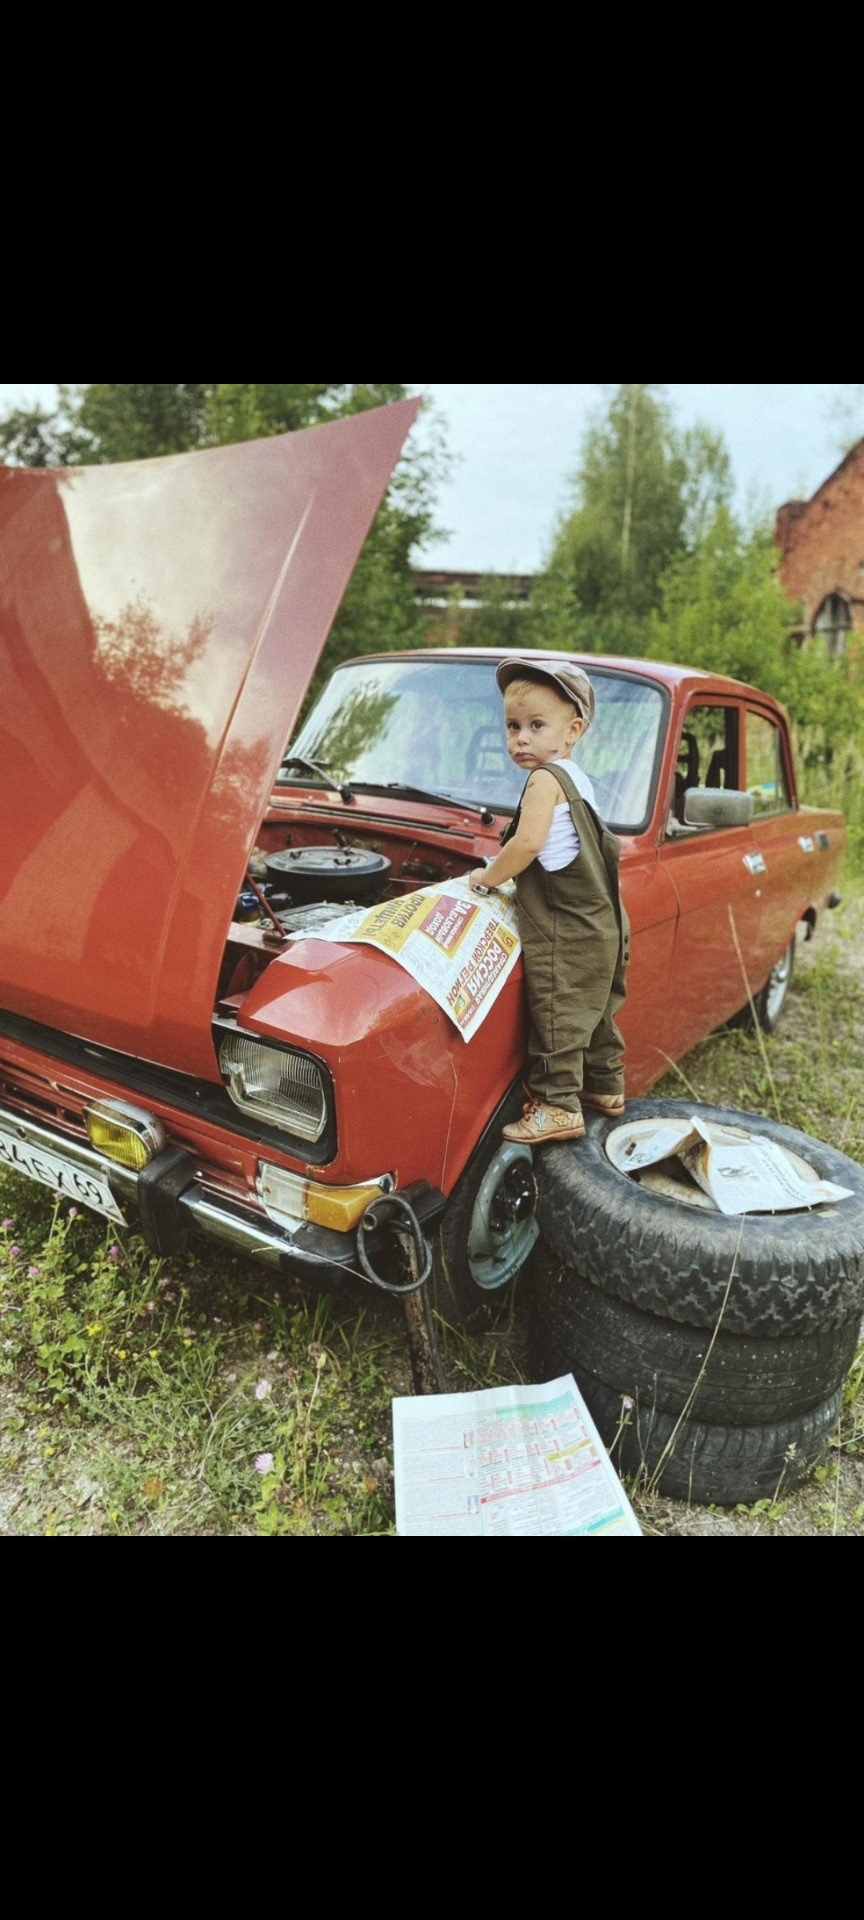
x=51 y=1170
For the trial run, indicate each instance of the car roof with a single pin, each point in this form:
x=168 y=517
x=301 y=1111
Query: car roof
x=664 y=672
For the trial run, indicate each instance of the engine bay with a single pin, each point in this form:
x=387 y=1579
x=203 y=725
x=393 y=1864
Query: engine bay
x=297 y=881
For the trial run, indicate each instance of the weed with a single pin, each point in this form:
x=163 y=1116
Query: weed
x=128 y=1401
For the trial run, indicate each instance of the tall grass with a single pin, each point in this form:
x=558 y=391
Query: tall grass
x=839 y=783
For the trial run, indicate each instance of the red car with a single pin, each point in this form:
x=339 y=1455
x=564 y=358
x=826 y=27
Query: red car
x=168 y=1044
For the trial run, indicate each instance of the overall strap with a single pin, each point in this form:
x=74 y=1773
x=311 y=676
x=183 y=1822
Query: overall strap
x=608 y=843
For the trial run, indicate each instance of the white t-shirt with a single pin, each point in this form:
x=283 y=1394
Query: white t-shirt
x=562 y=841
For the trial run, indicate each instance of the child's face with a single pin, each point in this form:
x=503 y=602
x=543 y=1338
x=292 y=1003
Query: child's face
x=541 y=725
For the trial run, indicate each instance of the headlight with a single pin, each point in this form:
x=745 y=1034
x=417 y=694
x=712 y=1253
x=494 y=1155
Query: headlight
x=283 y=1089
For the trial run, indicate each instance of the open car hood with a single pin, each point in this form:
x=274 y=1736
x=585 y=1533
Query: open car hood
x=159 y=626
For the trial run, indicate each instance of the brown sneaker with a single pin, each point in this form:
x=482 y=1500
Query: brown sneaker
x=540 y=1123
x=611 y=1103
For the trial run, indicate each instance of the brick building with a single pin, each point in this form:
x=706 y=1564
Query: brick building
x=822 y=566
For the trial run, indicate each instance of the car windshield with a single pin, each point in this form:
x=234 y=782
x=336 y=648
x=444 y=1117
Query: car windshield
x=439 y=725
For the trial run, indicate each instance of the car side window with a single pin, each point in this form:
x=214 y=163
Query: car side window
x=766 y=771
x=707 y=752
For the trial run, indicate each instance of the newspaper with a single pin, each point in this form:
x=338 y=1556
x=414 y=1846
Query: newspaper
x=741 y=1172
x=510 y=1460
x=458 y=945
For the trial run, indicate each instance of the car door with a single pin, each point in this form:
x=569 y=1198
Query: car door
x=783 y=850
x=717 y=880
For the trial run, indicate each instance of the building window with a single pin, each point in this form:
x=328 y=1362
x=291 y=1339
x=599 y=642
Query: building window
x=832 y=623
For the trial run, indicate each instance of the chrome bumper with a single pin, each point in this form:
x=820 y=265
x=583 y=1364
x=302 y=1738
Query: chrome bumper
x=320 y=1255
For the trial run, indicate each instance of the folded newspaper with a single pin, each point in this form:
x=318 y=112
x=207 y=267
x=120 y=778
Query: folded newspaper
x=505 y=1461
x=740 y=1172
x=459 y=946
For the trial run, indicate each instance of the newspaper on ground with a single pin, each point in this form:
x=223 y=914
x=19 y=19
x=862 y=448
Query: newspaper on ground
x=514 y=1460
x=458 y=945
x=740 y=1172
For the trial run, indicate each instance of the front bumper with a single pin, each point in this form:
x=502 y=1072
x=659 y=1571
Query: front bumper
x=174 y=1204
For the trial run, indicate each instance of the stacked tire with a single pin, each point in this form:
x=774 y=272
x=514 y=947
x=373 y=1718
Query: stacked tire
x=711 y=1350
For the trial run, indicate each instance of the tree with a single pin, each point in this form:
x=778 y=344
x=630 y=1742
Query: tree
x=33 y=437
x=96 y=424
x=643 y=493
x=723 y=608
x=135 y=423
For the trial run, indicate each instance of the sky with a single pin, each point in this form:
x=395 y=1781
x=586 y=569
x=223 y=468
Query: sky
x=515 y=450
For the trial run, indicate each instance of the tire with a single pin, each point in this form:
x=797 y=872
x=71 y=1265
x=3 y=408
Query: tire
x=769 y=1004
x=792 y=1273
x=489 y=1228
x=743 y=1382
x=710 y=1464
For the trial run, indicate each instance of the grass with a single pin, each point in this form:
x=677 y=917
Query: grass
x=200 y=1397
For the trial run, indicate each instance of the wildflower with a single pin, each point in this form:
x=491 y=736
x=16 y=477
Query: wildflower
x=277 y=1299
x=264 y=1463
x=263 y=1390
x=7 y=1225
x=33 y=1273
x=14 y=1253
x=73 y=1212
x=113 y=1253
x=627 y=1403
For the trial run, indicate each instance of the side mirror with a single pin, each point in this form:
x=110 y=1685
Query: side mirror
x=717 y=807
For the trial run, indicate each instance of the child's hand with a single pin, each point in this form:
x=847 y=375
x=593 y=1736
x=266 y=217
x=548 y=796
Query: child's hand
x=476 y=880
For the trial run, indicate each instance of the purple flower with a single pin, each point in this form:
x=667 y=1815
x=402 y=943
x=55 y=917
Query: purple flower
x=7 y=1225
x=33 y=1272
x=14 y=1253
x=263 y=1390
x=264 y=1463
x=113 y=1253
x=73 y=1212
x=627 y=1403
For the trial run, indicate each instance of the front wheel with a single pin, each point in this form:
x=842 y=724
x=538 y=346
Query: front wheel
x=489 y=1228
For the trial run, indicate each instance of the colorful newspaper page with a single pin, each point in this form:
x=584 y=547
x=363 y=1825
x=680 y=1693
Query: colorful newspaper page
x=458 y=945
x=740 y=1172
x=517 y=1460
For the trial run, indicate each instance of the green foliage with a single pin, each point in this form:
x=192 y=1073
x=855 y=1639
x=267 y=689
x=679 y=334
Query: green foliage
x=134 y=423
x=33 y=437
x=253 y=412
x=112 y=423
x=643 y=494
x=499 y=620
x=723 y=608
x=139 y=1398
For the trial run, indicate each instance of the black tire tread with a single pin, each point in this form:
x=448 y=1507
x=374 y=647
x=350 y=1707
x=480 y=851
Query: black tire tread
x=794 y=1273
x=744 y=1380
x=710 y=1465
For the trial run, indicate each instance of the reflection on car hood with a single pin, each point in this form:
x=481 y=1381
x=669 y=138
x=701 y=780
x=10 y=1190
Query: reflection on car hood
x=159 y=625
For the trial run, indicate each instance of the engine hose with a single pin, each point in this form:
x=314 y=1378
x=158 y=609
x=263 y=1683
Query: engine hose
x=378 y=1215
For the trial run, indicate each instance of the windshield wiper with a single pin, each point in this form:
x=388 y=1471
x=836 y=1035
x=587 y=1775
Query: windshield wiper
x=320 y=767
x=422 y=793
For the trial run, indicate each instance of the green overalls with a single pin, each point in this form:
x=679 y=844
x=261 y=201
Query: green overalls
x=575 y=939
